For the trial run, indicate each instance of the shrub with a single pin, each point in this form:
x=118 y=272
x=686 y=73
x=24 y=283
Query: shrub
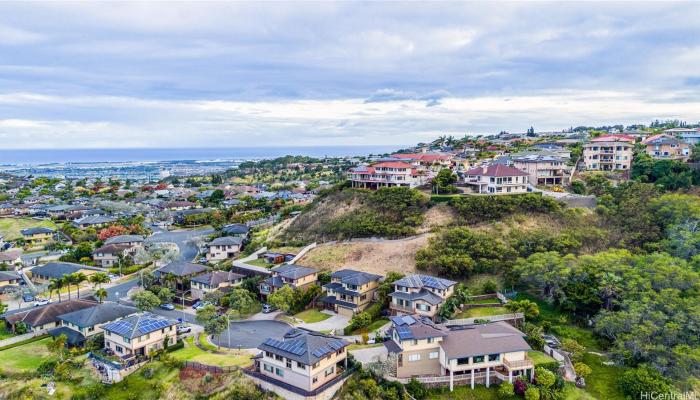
x=490 y=286
x=532 y=393
x=506 y=391
x=417 y=389
x=520 y=386
x=484 y=208
x=582 y=369
x=643 y=380
x=552 y=366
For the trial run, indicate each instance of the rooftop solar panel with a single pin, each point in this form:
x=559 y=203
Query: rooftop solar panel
x=404 y=332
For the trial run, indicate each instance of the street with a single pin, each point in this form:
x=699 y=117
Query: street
x=183 y=239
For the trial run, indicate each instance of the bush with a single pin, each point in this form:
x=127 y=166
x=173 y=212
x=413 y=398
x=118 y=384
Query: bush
x=552 y=366
x=485 y=208
x=532 y=393
x=582 y=370
x=643 y=380
x=417 y=389
x=505 y=391
x=490 y=286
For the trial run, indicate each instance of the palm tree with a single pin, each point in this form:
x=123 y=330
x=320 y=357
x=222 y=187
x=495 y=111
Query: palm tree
x=56 y=285
x=98 y=279
x=101 y=294
x=78 y=278
x=67 y=281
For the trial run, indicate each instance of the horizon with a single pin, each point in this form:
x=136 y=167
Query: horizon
x=92 y=75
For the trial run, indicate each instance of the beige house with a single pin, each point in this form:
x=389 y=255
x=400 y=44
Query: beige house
x=139 y=335
x=350 y=291
x=292 y=275
x=47 y=316
x=496 y=179
x=420 y=294
x=489 y=353
x=212 y=281
x=386 y=174
x=542 y=169
x=303 y=358
x=224 y=248
x=108 y=256
x=666 y=147
x=609 y=153
x=82 y=324
x=35 y=237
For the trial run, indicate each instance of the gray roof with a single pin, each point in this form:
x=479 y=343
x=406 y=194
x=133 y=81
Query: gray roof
x=181 y=268
x=94 y=220
x=215 y=278
x=124 y=239
x=57 y=269
x=226 y=241
x=292 y=271
x=303 y=345
x=419 y=281
x=423 y=294
x=139 y=325
x=477 y=340
x=35 y=231
x=100 y=314
x=352 y=277
x=8 y=275
x=416 y=327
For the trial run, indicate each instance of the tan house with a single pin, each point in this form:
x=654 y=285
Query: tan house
x=224 y=248
x=488 y=353
x=609 y=153
x=82 y=324
x=35 y=237
x=139 y=335
x=496 y=179
x=212 y=281
x=543 y=170
x=386 y=174
x=666 y=147
x=43 y=274
x=292 y=275
x=11 y=257
x=108 y=256
x=303 y=358
x=47 y=317
x=420 y=294
x=350 y=291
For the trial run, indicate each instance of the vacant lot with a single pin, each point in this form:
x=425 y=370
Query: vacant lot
x=26 y=357
x=375 y=256
x=11 y=227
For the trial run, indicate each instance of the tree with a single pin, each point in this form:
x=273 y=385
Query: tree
x=505 y=391
x=530 y=309
x=573 y=347
x=67 y=281
x=165 y=295
x=145 y=300
x=214 y=324
x=241 y=301
x=111 y=231
x=58 y=346
x=98 y=279
x=56 y=285
x=643 y=380
x=582 y=370
x=282 y=298
x=532 y=393
x=101 y=294
x=444 y=180
x=77 y=278
x=545 y=378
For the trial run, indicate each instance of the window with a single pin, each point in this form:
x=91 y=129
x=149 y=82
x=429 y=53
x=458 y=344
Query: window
x=268 y=354
x=289 y=363
x=415 y=342
x=300 y=365
x=494 y=357
x=433 y=355
x=431 y=340
x=119 y=349
x=414 y=357
x=279 y=357
x=268 y=368
x=279 y=372
x=478 y=359
x=315 y=379
x=330 y=371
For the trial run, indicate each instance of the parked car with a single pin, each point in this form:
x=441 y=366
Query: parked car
x=113 y=277
x=28 y=298
x=202 y=260
x=551 y=341
x=200 y=304
x=181 y=328
x=167 y=306
x=41 y=302
x=268 y=308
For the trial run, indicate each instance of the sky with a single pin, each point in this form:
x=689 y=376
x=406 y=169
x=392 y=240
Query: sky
x=236 y=74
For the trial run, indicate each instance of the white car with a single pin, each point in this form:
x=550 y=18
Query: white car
x=41 y=302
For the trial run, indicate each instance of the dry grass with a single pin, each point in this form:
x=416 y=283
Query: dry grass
x=378 y=257
x=438 y=216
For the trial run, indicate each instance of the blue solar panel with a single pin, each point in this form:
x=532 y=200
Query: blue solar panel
x=295 y=347
x=404 y=332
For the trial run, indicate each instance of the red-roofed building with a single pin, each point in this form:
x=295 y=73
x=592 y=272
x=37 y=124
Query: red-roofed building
x=497 y=179
x=424 y=158
x=386 y=174
x=609 y=153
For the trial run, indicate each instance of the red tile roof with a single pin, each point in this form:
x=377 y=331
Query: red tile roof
x=496 y=170
x=392 y=164
x=422 y=156
x=613 y=138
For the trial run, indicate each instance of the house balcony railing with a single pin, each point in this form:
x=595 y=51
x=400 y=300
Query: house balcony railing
x=405 y=309
x=519 y=364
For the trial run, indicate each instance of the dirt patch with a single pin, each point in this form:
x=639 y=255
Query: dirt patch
x=437 y=216
x=374 y=256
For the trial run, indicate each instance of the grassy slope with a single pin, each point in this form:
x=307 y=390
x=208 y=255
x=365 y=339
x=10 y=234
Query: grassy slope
x=11 y=227
x=482 y=312
x=193 y=353
x=312 y=315
x=26 y=357
x=480 y=392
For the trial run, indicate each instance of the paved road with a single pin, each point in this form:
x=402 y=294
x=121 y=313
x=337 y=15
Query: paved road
x=183 y=240
x=249 y=334
x=116 y=292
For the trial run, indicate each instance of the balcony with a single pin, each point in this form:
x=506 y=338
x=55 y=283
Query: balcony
x=399 y=308
x=519 y=364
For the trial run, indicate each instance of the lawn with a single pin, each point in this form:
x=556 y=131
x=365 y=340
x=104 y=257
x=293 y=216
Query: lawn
x=357 y=346
x=602 y=382
x=372 y=327
x=539 y=357
x=4 y=333
x=312 y=315
x=193 y=353
x=571 y=392
x=137 y=386
x=482 y=312
x=11 y=227
x=26 y=357
x=260 y=262
x=484 y=301
x=464 y=392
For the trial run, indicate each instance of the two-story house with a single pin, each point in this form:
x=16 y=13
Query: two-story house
x=139 y=335
x=108 y=256
x=303 y=358
x=82 y=324
x=496 y=179
x=35 y=237
x=609 y=153
x=212 y=281
x=490 y=352
x=666 y=147
x=386 y=174
x=93 y=221
x=350 y=291
x=224 y=248
x=420 y=294
x=542 y=169
x=132 y=241
x=177 y=274
x=295 y=276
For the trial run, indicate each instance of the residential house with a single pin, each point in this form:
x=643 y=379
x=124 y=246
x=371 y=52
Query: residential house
x=212 y=281
x=489 y=353
x=350 y=291
x=224 y=248
x=11 y=257
x=497 y=179
x=180 y=272
x=82 y=324
x=304 y=359
x=178 y=205
x=39 y=236
x=386 y=174
x=688 y=135
x=128 y=240
x=93 y=221
x=108 y=256
x=237 y=230
x=420 y=294
x=57 y=270
x=140 y=335
x=295 y=276
x=8 y=278
x=666 y=147
x=425 y=159
x=609 y=153
x=46 y=317
x=542 y=169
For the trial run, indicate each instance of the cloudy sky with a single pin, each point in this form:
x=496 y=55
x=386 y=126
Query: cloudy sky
x=259 y=74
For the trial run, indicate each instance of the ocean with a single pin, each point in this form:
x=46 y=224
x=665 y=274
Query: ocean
x=63 y=156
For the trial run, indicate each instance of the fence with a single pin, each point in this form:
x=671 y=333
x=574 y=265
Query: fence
x=490 y=318
x=209 y=368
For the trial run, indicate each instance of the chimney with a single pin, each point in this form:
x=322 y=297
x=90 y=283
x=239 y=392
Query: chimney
x=484 y=168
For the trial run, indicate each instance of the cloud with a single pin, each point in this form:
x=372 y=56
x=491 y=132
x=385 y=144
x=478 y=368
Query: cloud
x=14 y=36
x=383 y=95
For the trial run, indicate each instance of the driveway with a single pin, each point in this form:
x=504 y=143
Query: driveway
x=372 y=354
x=183 y=239
x=249 y=334
x=335 y=323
